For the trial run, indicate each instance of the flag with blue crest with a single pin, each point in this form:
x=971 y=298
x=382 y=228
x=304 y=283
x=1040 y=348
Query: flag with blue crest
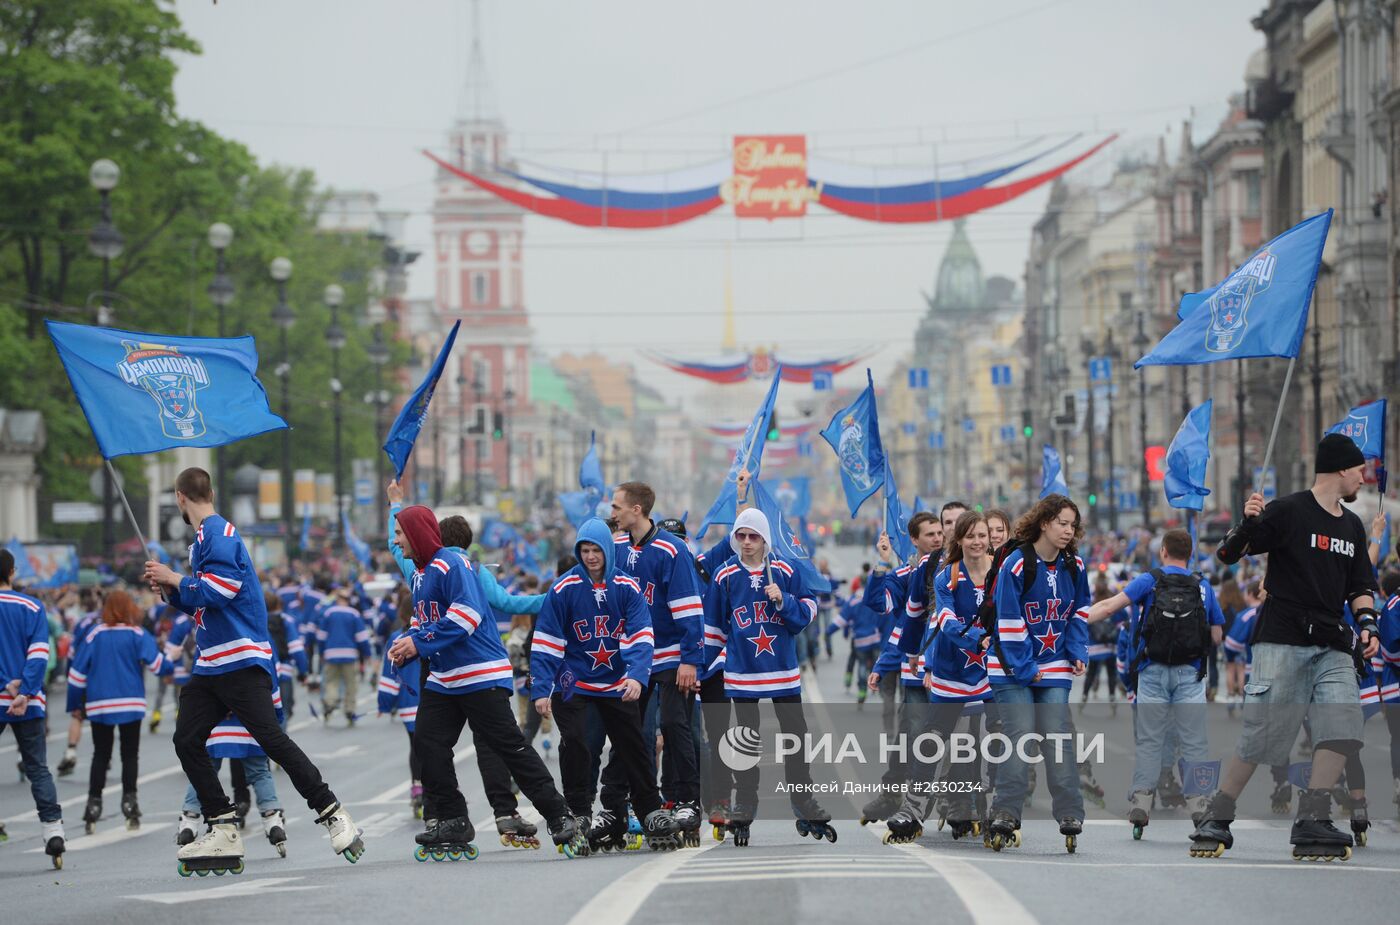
x=786 y=545
x=854 y=435
x=794 y=496
x=142 y=393
x=1052 y=476
x=1365 y=425
x=358 y=547
x=748 y=458
x=404 y=431
x=1187 y=456
x=1259 y=310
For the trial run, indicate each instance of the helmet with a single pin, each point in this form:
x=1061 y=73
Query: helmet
x=672 y=525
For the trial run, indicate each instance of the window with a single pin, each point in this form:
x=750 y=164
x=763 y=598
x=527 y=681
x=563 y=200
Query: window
x=479 y=288
x=1125 y=301
x=1252 y=193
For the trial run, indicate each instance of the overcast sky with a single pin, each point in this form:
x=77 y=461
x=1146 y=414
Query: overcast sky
x=355 y=88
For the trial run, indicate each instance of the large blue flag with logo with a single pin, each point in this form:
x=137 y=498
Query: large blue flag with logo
x=854 y=435
x=590 y=471
x=1187 y=456
x=404 y=432
x=1259 y=310
x=1365 y=425
x=794 y=496
x=897 y=518
x=142 y=393
x=1052 y=476
x=786 y=545
x=749 y=457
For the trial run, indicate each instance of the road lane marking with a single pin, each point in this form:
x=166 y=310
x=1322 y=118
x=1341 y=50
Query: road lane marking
x=239 y=887
x=620 y=900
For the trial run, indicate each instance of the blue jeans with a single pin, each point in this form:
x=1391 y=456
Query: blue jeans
x=1163 y=715
x=1042 y=710
x=33 y=754
x=259 y=779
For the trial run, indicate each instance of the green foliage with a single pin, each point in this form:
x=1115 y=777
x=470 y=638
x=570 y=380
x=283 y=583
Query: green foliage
x=86 y=79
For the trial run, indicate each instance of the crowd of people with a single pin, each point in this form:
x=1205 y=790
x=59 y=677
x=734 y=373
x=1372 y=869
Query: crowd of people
x=1293 y=622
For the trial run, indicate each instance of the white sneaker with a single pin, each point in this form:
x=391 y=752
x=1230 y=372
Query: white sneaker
x=345 y=838
x=221 y=841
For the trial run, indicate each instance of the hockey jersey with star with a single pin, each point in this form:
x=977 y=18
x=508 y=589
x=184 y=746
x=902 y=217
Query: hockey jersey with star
x=106 y=680
x=591 y=637
x=665 y=572
x=225 y=599
x=176 y=663
x=1041 y=629
x=342 y=635
x=955 y=664
x=448 y=607
x=759 y=640
x=24 y=653
x=398 y=687
x=902 y=651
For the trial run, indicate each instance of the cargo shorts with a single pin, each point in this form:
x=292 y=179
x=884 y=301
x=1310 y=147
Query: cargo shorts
x=1290 y=683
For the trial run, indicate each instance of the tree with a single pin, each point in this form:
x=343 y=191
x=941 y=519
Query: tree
x=86 y=79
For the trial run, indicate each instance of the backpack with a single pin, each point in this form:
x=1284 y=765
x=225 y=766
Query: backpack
x=1175 y=629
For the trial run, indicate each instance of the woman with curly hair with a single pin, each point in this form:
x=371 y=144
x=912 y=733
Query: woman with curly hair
x=1038 y=644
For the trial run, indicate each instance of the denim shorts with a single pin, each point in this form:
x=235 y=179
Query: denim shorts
x=1287 y=684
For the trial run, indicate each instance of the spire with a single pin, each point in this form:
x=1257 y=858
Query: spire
x=476 y=101
x=728 y=341
x=960 y=284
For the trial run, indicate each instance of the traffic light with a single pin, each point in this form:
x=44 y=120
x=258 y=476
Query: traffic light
x=774 y=432
x=1093 y=499
x=498 y=425
x=1027 y=430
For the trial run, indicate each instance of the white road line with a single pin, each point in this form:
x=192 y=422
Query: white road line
x=986 y=901
x=117 y=832
x=619 y=901
x=72 y=803
x=1208 y=864
x=837 y=864
x=399 y=791
x=239 y=887
x=801 y=875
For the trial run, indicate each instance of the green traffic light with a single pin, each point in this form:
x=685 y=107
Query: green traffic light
x=1093 y=499
x=497 y=434
x=773 y=434
x=1027 y=431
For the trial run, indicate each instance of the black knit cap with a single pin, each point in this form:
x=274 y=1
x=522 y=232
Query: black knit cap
x=1336 y=453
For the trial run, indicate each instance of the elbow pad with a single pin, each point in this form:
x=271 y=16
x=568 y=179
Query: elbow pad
x=1232 y=548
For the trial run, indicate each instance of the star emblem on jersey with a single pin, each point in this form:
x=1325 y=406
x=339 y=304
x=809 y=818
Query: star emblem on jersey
x=977 y=658
x=198 y=617
x=602 y=656
x=1047 y=640
x=763 y=642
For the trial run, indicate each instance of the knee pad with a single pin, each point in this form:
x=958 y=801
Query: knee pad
x=1343 y=747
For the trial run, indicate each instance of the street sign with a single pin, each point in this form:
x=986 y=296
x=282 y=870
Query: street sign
x=1268 y=482
x=969 y=425
x=821 y=381
x=1100 y=368
x=364 y=491
x=935 y=440
x=909 y=429
x=1001 y=375
x=1008 y=433
x=918 y=378
x=77 y=512
x=931 y=414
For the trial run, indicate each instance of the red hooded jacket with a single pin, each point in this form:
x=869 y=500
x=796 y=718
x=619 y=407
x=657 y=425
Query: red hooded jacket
x=421 y=528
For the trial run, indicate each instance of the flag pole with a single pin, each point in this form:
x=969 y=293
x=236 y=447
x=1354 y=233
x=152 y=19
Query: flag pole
x=1278 y=418
x=145 y=550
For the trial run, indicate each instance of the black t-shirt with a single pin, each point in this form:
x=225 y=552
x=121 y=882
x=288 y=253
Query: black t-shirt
x=1318 y=562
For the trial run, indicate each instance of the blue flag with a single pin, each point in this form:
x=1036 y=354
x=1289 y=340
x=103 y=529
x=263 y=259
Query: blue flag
x=358 y=547
x=590 y=471
x=1052 y=477
x=794 y=496
x=497 y=534
x=1260 y=310
x=854 y=435
x=786 y=545
x=578 y=506
x=919 y=504
x=142 y=393
x=24 y=569
x=1185 y=482
x=748 y=457
x=404 y=432
x=897 y=518
x=1365 y=425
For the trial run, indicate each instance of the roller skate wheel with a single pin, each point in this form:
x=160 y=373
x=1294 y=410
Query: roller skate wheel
x=438 y=854
x=1137 y=833
x=831 y=835
x=1361 y=839
x=1213 y=852
x=420 y=853
x=202 y=872
x=997 y=843
x=237 y=868
x=180 y=868
x=889 y=838
x=454 y=854
x=1016 y=839
x=89 y=827
x=281 y=847
x=717 y=833
x=1069 y=844
x=133 y=824
x=567 y=850
x=58 y=862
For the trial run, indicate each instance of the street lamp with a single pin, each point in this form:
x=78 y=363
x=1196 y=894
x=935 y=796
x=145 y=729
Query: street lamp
x=476 y=450
x=221 y=294
x=462 y=437
x=509 y=404
x=105 y=242
x=1089 y=348
x=1110 y=352
x=281 y=270
x=1141 y=342
x=335 y=339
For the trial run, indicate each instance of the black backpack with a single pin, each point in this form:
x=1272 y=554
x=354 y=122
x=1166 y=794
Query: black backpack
x=1175 y=629
x=987 y=613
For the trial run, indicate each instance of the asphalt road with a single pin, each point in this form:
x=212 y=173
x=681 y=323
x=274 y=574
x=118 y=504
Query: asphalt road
x=129 y=876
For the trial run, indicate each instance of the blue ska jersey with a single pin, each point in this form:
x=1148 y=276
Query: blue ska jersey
x=1390 y=650
x=226 y=601
x=343 y=635
x=953 y=659
x=176 y=665
x=231 y=739
x=591 y=638
x=398 y=687
x=1041 y=629
x=106 y=680
x=1236 y=644
x=24 y=653
x=759 y=641
x=296 y=663
x=448 y=609
x=665 y=571
x=889 y=595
